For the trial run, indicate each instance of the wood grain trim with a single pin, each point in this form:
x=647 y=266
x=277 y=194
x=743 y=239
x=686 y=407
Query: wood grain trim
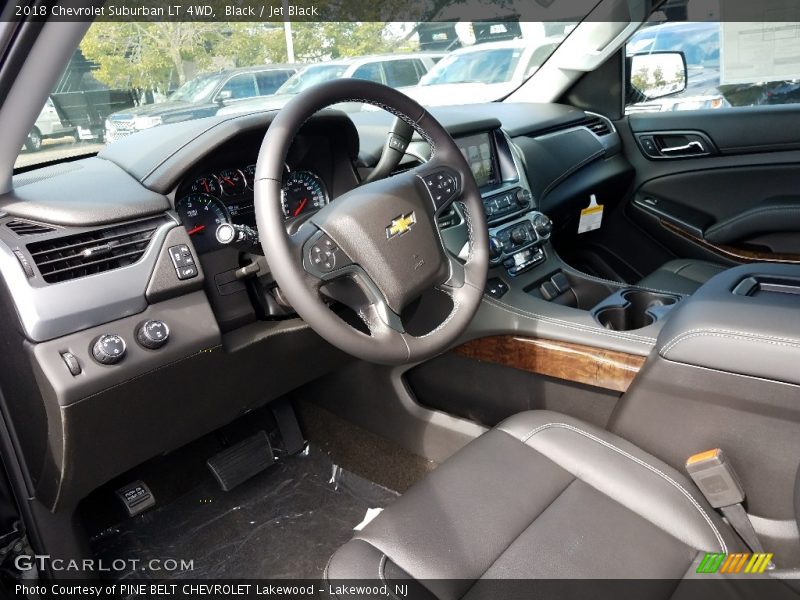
x=738 y=254
x=597 y=367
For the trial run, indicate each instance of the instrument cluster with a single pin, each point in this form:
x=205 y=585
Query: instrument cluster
x=226 y=196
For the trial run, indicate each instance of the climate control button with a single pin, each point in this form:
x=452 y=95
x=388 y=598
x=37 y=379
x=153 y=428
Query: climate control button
x=109 y=349
x=153 y=334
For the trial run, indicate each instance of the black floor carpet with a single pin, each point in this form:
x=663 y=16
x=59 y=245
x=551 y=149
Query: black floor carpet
x=284 y=523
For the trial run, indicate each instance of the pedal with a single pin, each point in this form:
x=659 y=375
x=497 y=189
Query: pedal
x=136 y=497
x=240 y=462
x=289 y=428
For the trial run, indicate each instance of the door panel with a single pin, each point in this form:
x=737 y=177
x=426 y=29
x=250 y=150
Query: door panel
x=738 y=203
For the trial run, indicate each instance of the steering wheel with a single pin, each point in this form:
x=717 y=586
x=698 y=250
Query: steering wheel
x=382 y=235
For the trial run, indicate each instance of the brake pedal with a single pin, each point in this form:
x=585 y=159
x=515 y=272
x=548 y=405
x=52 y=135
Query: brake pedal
x=240 y=462
x=136 y=497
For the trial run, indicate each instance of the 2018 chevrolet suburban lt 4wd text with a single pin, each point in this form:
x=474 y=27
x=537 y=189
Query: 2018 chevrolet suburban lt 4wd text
x=526 y=326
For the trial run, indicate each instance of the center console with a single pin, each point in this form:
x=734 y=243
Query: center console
x=517 y=231
x=523 y=263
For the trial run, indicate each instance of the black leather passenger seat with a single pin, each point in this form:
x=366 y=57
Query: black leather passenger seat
x=541 y=496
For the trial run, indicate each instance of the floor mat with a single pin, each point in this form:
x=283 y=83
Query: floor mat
x=360 y=451
x=283 y=523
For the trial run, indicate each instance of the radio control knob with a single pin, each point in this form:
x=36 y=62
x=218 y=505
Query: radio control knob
x=495 y=248
x=543 y=225
x=109 y=349
x=153 y=334
x=523 y=197
x=519 y=235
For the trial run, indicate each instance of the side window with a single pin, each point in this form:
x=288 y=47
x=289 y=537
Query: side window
x=369 y=71
x=715 y=79
x=400 y=73
x=240 y=86
x=269 y=81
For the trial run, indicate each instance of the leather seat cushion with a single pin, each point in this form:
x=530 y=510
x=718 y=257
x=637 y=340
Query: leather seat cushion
x=540 y=496
x=681 y=276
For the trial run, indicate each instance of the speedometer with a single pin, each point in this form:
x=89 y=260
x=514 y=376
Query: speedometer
x=201 y=214
x=303 y=192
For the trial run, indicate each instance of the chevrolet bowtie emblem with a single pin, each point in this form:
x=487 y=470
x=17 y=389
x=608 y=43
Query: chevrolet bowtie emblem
x=401 y=225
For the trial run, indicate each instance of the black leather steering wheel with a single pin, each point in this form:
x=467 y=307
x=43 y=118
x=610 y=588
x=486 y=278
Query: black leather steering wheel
x=382 y=235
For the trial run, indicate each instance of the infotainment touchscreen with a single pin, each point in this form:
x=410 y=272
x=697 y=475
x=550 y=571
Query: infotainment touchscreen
x=479 y=151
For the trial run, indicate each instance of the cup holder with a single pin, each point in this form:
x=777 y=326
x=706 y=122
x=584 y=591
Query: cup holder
x=633 y=309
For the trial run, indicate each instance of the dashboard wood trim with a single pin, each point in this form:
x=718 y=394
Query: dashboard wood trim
x=597 y=367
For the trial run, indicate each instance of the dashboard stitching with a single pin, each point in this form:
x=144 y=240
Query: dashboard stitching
x=561 y=323
x=621 y=284
x=721 y=333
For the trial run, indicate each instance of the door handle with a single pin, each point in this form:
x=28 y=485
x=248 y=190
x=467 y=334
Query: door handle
x=694 y=145
x=673 y=145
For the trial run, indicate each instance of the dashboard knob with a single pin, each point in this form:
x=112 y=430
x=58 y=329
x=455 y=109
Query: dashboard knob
x=523 y=197
x=543 y=225
x=519 y=236
x=495 y=248
x=109 y=349
x=153 y=334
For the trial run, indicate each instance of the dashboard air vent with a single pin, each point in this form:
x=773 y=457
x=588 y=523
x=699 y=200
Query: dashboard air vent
x=598 y=126
x=94 y=251
x=23 y=228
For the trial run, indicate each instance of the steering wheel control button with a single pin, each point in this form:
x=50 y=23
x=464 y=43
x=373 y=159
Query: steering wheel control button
x=183 y=261
x=442 y=186
x=395 y=142
x=153 y=334
x=323 y=255
x=72 y=363
x=109 y=349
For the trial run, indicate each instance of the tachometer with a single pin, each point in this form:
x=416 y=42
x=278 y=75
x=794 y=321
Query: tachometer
x=303 y=192
x=201 y=214
x=206 y=184
x=232 y=182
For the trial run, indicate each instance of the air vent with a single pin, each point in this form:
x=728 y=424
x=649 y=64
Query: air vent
x=92 y=252
x=598 y=126
x=24 y=228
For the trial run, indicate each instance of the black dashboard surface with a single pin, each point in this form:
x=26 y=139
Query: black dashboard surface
x=132 y=177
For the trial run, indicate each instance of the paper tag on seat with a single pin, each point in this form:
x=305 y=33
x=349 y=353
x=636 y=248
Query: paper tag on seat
x=591 y=216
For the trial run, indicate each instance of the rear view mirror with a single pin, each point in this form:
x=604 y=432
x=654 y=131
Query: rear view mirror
x=656 y=74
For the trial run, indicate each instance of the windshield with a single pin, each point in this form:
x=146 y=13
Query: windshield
x=195 y=90
x=126 y=77
x=482 y=66
x=310 y=76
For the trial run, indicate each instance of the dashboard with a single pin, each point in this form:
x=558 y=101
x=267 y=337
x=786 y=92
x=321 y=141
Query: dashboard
x=86 y=255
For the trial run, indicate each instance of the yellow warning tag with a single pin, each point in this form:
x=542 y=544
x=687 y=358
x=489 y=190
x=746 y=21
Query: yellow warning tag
x=591 y=216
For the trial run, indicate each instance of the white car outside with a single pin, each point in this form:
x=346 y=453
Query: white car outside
x=483 y=72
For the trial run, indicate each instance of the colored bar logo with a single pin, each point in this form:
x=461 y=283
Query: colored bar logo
x=735 y=563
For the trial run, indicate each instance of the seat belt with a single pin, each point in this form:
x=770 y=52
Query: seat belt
x=717 y=481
